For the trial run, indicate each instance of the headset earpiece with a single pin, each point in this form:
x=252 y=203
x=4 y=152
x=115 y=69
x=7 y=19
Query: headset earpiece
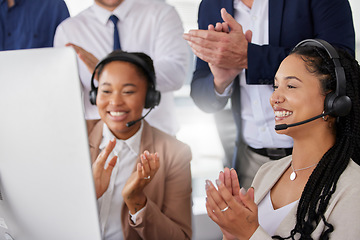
x=94 y=90
x=336 y=102
x=93 y=95
x=338 y=106
x=152 y=98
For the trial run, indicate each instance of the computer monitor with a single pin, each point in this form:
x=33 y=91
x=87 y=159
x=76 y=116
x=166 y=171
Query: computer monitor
x=46 y=184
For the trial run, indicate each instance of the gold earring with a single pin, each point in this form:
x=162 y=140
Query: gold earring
x=325 y=118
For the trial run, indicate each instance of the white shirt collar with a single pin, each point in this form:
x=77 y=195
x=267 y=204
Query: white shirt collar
x=133 y=142
x=239 y=4
x=123 y=9
x=120 y=12
x=127 y=152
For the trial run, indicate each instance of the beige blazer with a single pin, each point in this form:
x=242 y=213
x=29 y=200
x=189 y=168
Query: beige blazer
x=167 y=214
x=343 y=211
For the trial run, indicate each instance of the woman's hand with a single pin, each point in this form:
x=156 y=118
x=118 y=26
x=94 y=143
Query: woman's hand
x=238 y=220
x=102 y=175
x=231 y=181
x=132 y=193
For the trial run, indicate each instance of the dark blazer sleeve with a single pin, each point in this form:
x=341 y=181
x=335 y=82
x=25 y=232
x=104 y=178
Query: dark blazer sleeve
x=202 y=84
x=296 y=20
x=289 y=23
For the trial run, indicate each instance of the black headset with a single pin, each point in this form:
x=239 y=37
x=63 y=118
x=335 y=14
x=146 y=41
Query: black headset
x=337 y=104
x=152 y=95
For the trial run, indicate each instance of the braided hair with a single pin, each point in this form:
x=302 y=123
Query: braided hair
x=322 y=182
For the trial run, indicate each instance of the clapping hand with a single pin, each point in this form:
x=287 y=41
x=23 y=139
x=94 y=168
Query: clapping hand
x=132 y=193
x=223 y=47
x=101 y=174
x=233 y=209
x=230 y=179
x=88 y=58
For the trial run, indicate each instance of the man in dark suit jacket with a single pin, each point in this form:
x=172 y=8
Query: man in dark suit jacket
x=228 y=54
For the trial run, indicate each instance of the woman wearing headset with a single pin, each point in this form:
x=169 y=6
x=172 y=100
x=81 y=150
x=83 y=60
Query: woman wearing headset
x=313 y=194
x=142 y=175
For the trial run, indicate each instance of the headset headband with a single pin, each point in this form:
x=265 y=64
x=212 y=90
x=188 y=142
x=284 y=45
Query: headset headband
x=152 y=95
x=337 y=104
x=125 y=57
x=334 y=56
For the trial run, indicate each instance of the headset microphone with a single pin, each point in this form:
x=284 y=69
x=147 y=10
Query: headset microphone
x=285 y=126
x=129 y=124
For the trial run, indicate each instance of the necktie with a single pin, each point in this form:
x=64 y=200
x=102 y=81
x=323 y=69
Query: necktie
x=117 y=45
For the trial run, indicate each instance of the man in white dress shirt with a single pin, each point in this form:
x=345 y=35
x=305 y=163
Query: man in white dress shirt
x=144 y=26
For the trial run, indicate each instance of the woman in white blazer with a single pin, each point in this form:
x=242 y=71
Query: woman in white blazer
x=313 y=194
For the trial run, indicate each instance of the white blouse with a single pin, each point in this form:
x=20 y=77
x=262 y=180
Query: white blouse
x=269 y=218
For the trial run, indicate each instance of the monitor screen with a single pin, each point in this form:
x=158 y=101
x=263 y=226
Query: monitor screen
x=46 y=185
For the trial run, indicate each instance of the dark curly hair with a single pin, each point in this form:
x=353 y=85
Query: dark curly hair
x=322 y=182
x=143 y=63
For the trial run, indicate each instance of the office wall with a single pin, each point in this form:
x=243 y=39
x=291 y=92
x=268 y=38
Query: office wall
x=355 y=6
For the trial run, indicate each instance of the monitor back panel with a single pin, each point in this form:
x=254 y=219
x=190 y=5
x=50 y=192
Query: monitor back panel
x=46 y=184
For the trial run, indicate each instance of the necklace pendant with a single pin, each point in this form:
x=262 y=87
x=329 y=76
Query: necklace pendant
x=292 y=176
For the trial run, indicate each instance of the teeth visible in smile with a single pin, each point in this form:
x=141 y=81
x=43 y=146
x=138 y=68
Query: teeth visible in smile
x=282 y=113
x=116 y=114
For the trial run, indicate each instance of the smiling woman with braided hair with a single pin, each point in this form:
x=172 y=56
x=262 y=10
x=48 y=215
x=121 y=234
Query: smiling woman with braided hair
x=313 y=194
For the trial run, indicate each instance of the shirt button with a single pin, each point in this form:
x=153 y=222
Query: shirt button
x=9 y=34
x=262 y=129
x=254 y=18
x=256 y=102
